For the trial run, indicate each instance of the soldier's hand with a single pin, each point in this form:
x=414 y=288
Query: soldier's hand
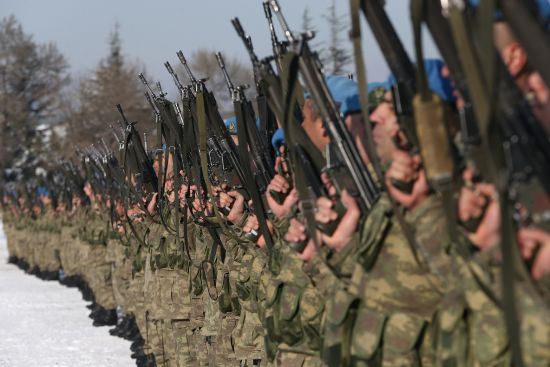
x=471 y=203
x=152 y=205
x=280 y=184
x=296 y=231
x=480 y=200
x=348 y=224
x=405 y=167
x=309 y=251
x=237 y=206
x=324 y=212
x=531 y=238
x=252 y=224
x=540 y=100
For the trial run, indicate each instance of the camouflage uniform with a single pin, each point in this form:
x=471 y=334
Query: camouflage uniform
x=384 y=314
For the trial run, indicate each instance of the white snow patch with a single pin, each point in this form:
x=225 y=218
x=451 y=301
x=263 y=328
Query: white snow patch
x=46 y=324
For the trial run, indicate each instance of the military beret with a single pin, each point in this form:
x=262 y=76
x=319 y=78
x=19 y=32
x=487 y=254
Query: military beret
x=231 y=125
x=377 y=90
x=345 y=92
x=436 y=82
x=278 y=139
x=42 y=191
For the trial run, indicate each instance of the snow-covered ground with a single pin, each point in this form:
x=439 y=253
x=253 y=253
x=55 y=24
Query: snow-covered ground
x=44 y=324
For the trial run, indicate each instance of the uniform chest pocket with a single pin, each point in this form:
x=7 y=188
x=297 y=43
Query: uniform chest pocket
x=367 y=333
x=488 y=335
x=402 y=336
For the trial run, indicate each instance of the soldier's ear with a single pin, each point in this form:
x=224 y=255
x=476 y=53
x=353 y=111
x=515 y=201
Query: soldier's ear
x=515 y=58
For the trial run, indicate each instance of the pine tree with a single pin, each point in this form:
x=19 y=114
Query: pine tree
x=114 y=81
x=308 y=26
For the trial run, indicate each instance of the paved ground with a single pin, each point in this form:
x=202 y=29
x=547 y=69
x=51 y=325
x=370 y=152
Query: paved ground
x=44 y=324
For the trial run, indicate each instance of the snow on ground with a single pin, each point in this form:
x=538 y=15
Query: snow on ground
x=44 y=324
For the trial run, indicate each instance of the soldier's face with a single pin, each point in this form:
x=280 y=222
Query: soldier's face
x=385 y=128
x=46 y=200
x=88 y=190
x=169 y=184
x=313 y=125
x=356 y=127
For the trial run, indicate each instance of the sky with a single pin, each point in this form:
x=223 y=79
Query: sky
x=153 y=31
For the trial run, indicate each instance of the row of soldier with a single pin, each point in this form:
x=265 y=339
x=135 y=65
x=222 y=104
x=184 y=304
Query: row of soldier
x=401 y=223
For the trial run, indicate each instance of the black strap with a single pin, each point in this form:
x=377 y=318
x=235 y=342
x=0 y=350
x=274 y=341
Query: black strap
x=259 y=208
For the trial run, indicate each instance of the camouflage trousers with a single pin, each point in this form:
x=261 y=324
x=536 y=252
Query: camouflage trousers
x=248 y=339
x=169 y=330
x=136 y=306
x=73 y=254
x=121 y=273
x=11 y=238
x=49 y=254
x=98 y=275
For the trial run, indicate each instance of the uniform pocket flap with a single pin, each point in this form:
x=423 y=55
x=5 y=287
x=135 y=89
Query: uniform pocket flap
x=290 y=298
x=402 y=332
x=245 y=269
x=450 y=315
x=311 y=304
x=367 y=333
x=488 y=335
x=339 y=306
x=272 y=291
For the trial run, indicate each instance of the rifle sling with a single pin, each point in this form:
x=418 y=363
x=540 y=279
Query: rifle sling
x=252 y=187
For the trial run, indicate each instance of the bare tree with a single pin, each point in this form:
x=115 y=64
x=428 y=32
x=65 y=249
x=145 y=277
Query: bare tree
x=32 y=76
x=338 y=55
x=308 y=26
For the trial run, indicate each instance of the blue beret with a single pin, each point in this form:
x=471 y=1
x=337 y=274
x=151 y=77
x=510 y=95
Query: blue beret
x=437 y=83
x=544 y=10
x=42 y=191
x=231 y=125
x=278 y=139
x=345 y=92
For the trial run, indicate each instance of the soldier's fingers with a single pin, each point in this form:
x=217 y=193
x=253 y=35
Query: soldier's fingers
x=281 y=181
x=541 y=266
x=235 y=194
x=309 y=252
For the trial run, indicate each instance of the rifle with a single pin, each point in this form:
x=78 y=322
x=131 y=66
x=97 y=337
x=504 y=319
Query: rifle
x=136 y=160
x=256 y=183
x=213 y=133
x=403 y=70
x=344 y=153
x=263 y=161
x=512 y=138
